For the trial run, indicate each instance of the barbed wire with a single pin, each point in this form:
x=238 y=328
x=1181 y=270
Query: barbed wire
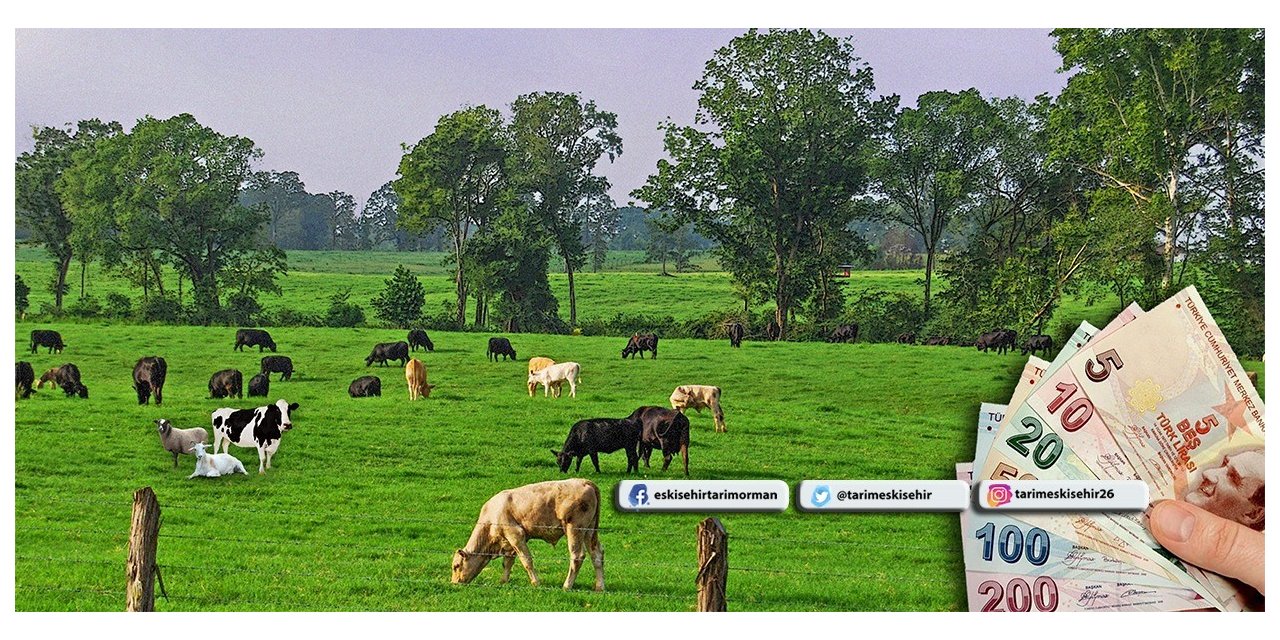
x=833 y=574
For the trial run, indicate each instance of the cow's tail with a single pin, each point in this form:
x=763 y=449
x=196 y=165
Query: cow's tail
x=595 y=518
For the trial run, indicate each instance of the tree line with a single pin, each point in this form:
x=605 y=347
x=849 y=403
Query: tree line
x=1142 y=176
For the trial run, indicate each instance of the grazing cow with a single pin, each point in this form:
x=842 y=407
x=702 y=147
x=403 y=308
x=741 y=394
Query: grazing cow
x=148 y=378
x=500 y=347
x=68 y=377
x=844 y=333
x=639 y=343
x=278 y=364
x=227 y=383
x=772 y=331
x=541 y=511
x=25 y=377
x=419 y=338
x=1038 y=343
x=664 y=429
x=697 y=396
x=553 y=375
x=365 y=387
x=907 y=337
x=1000 y=340
x=736 y=332
x=260 y=385
x=600 y=435
x=46 y=338
x=254 y=338
x=937 y=341
x=536 y=364
x=259 y=428
x=388 y=351
x=1008 y=340
x=415 y=373
x=50 y=377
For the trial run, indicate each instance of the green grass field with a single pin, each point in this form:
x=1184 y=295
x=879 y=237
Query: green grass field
x=627 y=285
x=369 y=497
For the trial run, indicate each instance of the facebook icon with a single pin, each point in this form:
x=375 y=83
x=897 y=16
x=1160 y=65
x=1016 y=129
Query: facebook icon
x=639 y=495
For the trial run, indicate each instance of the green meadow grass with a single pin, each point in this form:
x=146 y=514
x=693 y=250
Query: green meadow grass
x=369 y=497
x=627 y=285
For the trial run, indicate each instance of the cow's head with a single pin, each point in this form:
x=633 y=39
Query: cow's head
x=83 y=391
x=284 y=407
x=563 y=460
x=467 y=565
x=271 y=344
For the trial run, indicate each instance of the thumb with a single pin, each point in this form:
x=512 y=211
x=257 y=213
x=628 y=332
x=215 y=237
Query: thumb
x=1210 y=542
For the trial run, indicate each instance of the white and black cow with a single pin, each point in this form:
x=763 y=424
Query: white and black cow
x=259 y=428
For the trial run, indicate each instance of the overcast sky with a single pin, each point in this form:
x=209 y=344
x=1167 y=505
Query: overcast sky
x=335 y=105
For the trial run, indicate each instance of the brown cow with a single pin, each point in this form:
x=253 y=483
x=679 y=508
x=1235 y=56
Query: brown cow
x=697 y=396
x=536 y=364
x=415 y=373
x=49 y=377
x=540 y=511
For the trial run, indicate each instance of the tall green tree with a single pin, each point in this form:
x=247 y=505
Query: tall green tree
x=344 y=223
x=39 y=208
x=929 y=166
x=557 y=140
x=454 y=178
x=282 y=193
x=169 y=186
x=787 y=116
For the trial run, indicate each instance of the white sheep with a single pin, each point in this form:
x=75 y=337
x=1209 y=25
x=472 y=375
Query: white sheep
x=218 y=464
x=179 y=441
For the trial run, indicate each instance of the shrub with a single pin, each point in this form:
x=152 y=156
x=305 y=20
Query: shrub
x=161 y=309
x=342 y=312
x=118 y=306
x=400 y=302
x=882 y=316
x=21 y=292
x=86 y=307
x=242 y=309
x=286 y=317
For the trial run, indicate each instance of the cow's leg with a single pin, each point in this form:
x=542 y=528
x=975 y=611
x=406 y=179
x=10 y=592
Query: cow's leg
x=579 y=467
x=577 y=553
x=684 y=452
x=158 y=396
x=595 y=462
x=633 y=459
x=526 y=559
x=597 y=558
x=666 y=460
x=507 y=563
x=573 y=389
x=645 y=452
x=261 y=460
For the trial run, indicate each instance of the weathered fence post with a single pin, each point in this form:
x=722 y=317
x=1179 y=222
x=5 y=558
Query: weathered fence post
x=713 y=565
x=140 y=569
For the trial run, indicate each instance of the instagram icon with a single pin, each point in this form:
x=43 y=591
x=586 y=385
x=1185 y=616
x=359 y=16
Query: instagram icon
x=998 y=494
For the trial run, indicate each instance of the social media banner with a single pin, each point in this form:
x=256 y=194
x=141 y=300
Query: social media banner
x=706 y=496
x=1063 y=495
x=883 y=495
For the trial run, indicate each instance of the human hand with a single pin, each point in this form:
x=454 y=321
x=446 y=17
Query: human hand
x=1210 y=542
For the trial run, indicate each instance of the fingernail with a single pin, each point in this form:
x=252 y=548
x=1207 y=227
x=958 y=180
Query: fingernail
x=1174 y=520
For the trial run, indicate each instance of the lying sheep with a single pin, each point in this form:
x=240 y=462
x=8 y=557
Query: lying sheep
x=179 y=441
x=212 y=466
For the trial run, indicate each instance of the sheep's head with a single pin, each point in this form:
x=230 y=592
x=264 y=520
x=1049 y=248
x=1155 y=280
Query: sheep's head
x=198 y=449
x=163 y=426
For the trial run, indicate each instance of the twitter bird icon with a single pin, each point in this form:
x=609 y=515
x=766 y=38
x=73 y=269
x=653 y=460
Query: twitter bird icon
x=821 y=496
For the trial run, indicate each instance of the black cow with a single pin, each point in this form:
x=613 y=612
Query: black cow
x=46 y=338
x=844 y=333
x=736 y=332
x=227 y=383
x=772 y=331
x=365 y=387
x=1000 y=340
x=639 y=343
x=937 y=341
x=907 y=337
x=600 y=435
x=278 y=364
x=68 y=377
x=389 y=351
x=419 y=338
x=148 y=378
x=254 y=338
x=26 y=376
x=664 y=429
x=500 y=347
x=259 y=385
x=1038 y=343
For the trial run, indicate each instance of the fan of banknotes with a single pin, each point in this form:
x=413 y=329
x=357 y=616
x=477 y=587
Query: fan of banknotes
x=1156 y=396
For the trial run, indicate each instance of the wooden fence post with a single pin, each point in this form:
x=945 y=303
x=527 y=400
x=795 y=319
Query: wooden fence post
x=140 y=569
x=713 y=565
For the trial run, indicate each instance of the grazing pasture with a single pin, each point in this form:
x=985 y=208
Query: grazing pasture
x=368 y=499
